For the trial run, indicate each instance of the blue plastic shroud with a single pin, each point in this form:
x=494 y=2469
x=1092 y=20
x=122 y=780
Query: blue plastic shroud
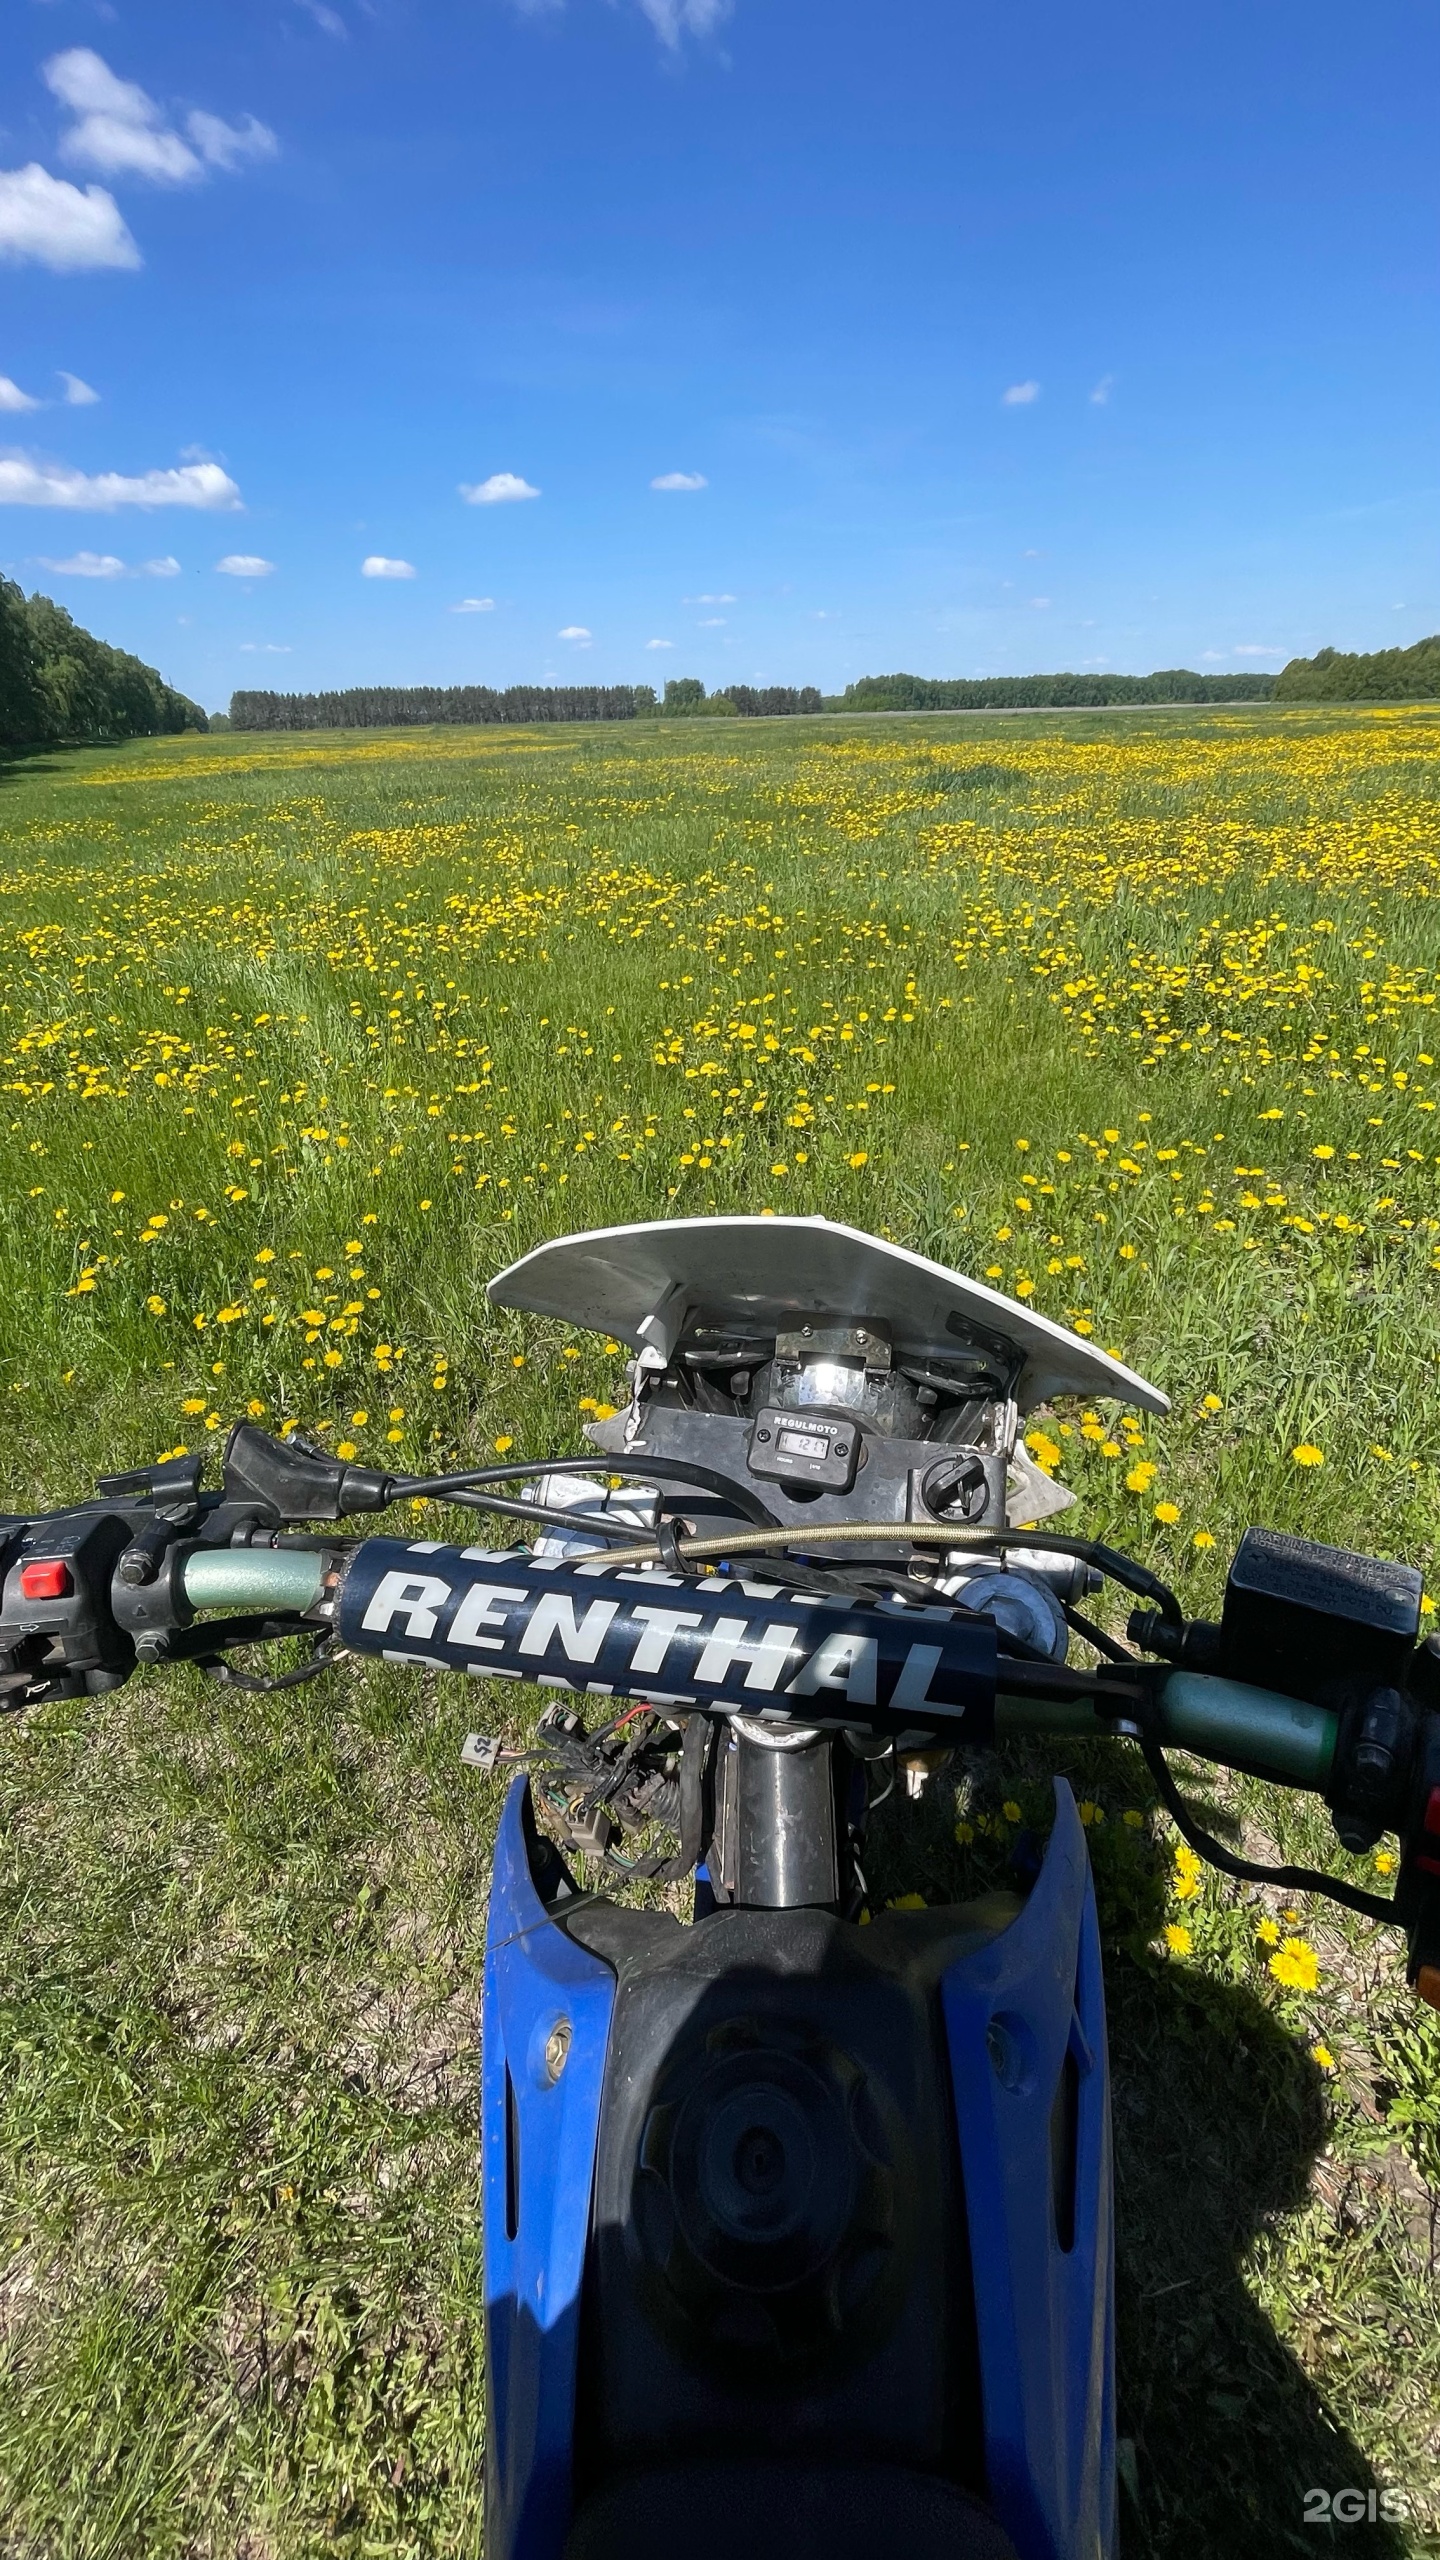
x=1025 y=2019
x=537 y=2137
x=1025 y=2022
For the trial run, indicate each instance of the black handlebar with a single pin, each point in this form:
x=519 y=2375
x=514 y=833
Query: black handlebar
x=1314 y=1677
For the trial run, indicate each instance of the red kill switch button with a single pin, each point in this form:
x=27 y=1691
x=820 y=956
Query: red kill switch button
x=48 y=1581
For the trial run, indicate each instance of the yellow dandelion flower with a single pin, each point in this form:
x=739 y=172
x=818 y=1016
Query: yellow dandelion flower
x=1296 y=1965
x=1178 y=1940
x=1305 y=1454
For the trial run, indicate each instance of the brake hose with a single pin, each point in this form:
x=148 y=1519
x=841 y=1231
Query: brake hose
x=1371 y=1906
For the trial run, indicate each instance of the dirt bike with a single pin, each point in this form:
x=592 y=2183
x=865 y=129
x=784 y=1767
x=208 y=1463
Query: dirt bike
x=797 y=2213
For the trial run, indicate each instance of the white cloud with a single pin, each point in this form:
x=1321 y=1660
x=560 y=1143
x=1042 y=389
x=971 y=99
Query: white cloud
x=500 y=490
x=59 y=226
x=120 y=130
x=1040 y=604
x=709 y=599
x=573 y=631
x=672 y=19
x=103 y=564
x=1020 y=395
x=244 y=564
x=377 y=566
x=681 y=480
x=12 y=397
x=1100 y=396
x=659 y=644
x=329 y=21
x=474 y=604
x=266 y=648
x=1256 y=649
x=712 y=622
x=1212 y=653
x=87 y=564
x=26 y=481
x=229 y=146
x=78 y=394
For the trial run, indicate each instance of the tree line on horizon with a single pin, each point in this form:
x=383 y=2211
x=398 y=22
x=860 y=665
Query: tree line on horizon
x=1384 y=675
x=1040 y=693
x=469 y=706
x=60 y=686
x=478 y=705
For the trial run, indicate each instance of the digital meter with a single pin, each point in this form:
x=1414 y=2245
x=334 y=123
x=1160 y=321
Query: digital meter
x=804 y=1449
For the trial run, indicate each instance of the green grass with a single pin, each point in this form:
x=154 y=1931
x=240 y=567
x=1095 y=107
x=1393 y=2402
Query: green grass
x=437 y=996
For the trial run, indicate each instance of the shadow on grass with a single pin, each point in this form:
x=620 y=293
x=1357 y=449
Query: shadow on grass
x=25 y=764
x=1218 y=2120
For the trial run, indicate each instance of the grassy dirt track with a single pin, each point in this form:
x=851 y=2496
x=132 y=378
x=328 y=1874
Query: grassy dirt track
x=302 y=1039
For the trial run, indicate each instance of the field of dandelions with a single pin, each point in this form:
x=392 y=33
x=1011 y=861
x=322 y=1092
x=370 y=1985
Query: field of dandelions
x=302 y=1039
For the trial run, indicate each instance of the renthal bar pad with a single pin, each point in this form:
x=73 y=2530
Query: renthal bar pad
x=724 y=1643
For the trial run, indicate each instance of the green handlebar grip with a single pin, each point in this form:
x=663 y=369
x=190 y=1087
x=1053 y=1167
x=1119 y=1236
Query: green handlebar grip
x=1228 y=1720
x=289 y=1578
x=1224 y=1720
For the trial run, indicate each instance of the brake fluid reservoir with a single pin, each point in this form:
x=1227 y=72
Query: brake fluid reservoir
x=1023 y=1606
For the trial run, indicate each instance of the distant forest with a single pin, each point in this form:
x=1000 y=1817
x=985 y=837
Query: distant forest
x=61 y=686
x=420 y=706
x=686 y=695
x=1390 y=675
x=473 y=705
x=1386 y=675
x=1038 y=693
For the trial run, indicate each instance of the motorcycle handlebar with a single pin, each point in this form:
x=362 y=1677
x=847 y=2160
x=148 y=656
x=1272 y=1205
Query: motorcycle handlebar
x=89 y=1593
x=1227 y=1721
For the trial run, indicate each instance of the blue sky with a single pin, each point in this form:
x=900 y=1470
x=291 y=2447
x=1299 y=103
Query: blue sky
x=989 y=339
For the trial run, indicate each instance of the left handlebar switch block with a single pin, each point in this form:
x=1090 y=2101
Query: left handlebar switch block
x=58 y=1635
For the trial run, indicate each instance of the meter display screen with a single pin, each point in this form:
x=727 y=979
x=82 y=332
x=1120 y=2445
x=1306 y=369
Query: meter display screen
x=803 y=1444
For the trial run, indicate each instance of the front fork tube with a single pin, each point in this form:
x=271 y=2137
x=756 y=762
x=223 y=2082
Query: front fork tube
x=781 y=1838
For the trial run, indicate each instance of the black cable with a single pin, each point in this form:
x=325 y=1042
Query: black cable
x=1086 y=1627
x=590 y=1524
x=694 y=1754
x=661 y=1471
x=322 y=1659
x=1371 y=1906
